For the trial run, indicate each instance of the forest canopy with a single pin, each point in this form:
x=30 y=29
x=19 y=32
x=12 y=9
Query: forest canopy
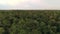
x=29 y=21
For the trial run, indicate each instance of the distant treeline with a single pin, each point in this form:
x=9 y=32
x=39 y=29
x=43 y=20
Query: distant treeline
x=29 y=21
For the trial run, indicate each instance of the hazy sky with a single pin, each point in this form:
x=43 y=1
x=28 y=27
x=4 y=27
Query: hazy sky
x=30 y=4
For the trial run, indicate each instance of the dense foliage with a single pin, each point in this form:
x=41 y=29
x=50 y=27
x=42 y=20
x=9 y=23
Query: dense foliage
x=29 y=22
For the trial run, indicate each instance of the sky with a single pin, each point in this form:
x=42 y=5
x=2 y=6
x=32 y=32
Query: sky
x=30 y=4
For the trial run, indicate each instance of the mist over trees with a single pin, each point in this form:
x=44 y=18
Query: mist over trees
x=29 y=22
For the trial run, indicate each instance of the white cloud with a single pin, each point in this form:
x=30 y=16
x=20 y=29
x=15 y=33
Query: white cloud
x=11 y=2
x=30 y=4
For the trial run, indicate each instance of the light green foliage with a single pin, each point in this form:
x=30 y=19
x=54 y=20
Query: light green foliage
x=1 y=30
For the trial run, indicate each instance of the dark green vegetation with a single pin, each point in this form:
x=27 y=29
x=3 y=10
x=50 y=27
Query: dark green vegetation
x=29 y=22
